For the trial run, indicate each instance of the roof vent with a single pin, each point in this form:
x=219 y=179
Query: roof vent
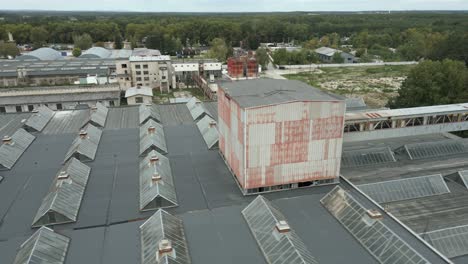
x=154 y=160
x=149 y=104
x=93 y=108
x=83 y=134
x=23 y=121
x=151 y=129
x=7 y=140
x=283 y=227
x=375 y=214
x=35 y=111
x=212 y=123
x=156 y=177
x=164 y=247
x=63 y=175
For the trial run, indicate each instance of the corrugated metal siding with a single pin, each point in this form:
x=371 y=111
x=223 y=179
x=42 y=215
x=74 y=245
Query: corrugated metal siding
x=293 y=142
x=285 y=143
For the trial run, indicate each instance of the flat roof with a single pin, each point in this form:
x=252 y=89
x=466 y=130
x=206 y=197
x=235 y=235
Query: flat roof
x=210 y=203
x=259 y=92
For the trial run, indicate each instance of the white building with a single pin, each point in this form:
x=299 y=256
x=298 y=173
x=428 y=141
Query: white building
x=139 y=95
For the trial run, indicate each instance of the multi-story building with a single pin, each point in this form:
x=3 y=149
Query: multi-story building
x=151 y=71
x=278 y=134
x=57 y=97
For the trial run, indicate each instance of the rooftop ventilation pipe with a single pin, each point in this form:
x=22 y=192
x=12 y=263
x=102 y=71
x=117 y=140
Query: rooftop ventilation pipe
x=151 y=130
x=374 y=214
x=212 y=123
x=283 y=227
x=63 y=175
x=7 y=140
x=164 y=247
x=154 y=160
x=83 y=134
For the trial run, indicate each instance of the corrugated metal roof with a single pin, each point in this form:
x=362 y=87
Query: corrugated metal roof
x=163 y=226
x=354 y=218
x=279 y=248
x=260 y=92
x=44 y=246
x=84 y=149
x=155 y=194
x=148 y=112
x=98 y=116
x=37 y=121
x=452 y=242
x=96 y=52
x=434 y=149
x=366 y=157
x=326 y=51
x=41 y=95
x=405 y=189
x=42 y=54
x=152 y=140
x=11 y=152
x=407 y=112
x=141 y=90
x=209 y=131
x=62 y=203
x=460 y=177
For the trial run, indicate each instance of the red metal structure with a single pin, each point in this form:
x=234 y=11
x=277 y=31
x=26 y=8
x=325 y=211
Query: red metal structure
x=277 y=134
x=243 y=67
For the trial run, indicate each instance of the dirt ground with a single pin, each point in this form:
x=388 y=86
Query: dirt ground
x=376 y=85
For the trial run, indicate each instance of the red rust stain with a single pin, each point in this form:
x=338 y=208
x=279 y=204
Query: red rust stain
x=327 y=128
x=325 y=149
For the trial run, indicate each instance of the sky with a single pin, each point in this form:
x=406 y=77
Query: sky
x=233 y=5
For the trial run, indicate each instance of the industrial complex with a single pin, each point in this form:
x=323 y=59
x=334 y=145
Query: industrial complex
x=273 y=171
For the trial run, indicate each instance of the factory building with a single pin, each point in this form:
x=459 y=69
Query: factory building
x=58 y=97
x=151 y=71
x=276 y=134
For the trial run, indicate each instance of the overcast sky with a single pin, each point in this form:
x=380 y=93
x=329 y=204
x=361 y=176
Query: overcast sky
x=235 y=5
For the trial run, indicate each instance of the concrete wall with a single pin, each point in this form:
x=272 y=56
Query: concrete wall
x=132 y=100
x=54 y=105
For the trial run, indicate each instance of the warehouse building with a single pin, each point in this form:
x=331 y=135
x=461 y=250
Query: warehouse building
x=56 y=72
x=139 y=95
x=57 y=98
x=277 y=134
x=111 y=220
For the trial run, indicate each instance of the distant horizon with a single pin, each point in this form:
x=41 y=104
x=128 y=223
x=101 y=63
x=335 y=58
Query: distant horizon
x=244 y=6
x=233 y=12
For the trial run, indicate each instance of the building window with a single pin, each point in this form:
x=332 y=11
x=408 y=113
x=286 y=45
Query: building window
x=127 y=79
x=137 y=67
x=111 y=103
x=2 y=109
x=145 y=66
x=163 y=77
x=146 y=78
x=139 y=100
x=139 y=84
x=145 y=72
x=124 y=66
x=19 y=108
x=138 y=79
x=59 y=107
x=30 y=108
x=138 y=73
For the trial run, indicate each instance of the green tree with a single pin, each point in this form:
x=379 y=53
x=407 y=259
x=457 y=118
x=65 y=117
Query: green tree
x=118 y=43
x=83 y=42
x=8 y=49
x=311 y=44
x=39 y=37
x=219 y=50
x=433 y=83
x=99 y=44
x=76 y=52
x=337 y=58
x=262 y=57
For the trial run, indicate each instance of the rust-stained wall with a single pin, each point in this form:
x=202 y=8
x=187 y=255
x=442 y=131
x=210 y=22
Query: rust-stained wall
x=281 y=144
